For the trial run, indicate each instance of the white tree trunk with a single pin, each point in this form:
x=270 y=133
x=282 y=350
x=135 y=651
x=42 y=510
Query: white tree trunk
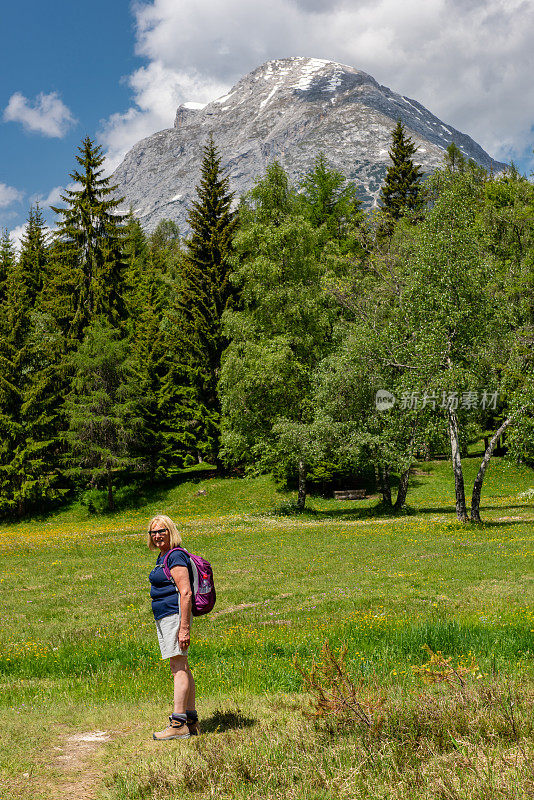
x=301 y=498
x=477 y=486
x=461 y=509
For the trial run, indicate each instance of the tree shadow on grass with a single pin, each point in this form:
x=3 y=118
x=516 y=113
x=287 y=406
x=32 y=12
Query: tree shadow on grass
x=377 y=511
x=484 y=509
x=380 y=512
x=226 y=720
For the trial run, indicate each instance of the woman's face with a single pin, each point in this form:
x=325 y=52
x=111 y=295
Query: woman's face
x=160 y=536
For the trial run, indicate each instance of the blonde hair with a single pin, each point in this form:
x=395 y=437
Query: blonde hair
x=166 y=522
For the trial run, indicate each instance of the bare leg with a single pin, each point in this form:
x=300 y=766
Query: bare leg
x=182 y=681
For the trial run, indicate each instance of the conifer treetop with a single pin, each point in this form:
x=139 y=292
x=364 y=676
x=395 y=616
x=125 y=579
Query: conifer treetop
x=212 y=209
x=90 y=243
x=400 y=192
x=95 y=189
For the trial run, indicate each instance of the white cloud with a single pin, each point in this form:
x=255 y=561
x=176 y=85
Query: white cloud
x=16 y=236
x=9 y=195
x=468 y=61
x=53 y=198
x=47 y=115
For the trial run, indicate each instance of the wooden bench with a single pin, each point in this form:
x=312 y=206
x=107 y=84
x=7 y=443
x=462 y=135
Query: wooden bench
x=350 y=494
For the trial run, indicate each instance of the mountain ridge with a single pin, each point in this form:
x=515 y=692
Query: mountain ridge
x=286 y=109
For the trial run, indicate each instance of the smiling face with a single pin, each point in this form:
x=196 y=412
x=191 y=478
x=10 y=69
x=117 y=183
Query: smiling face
x=160 y=536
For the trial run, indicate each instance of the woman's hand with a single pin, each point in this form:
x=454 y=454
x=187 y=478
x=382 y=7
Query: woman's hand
x=183 y=638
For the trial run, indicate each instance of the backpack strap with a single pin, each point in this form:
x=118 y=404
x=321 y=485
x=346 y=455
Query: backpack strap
x=166 y=569
x=194 y=568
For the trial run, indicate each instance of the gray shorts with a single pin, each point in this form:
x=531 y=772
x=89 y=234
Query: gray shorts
x=167 y=629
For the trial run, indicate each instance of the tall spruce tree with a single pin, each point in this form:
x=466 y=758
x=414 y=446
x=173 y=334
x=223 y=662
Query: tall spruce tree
x=33 y=256
x=206 y=292
x=160 y=387
x=15 y=366
x=102 y=427
x=136 y=254
x=7 y=259
x=89 y=270
x=29 y=404
x=401 y=190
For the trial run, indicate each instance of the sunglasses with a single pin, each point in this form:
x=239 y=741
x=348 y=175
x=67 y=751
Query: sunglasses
x=161 y=530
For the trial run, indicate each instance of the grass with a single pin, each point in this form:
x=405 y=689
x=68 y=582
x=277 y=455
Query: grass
x=78 y=651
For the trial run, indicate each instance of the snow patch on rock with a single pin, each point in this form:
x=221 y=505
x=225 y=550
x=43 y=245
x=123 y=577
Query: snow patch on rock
x=224 y=98
x=269 y=96
x=309 y=70
x=411 y=105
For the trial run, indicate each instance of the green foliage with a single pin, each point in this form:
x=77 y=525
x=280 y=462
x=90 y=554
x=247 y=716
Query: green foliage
x=102 y=428
x=278 y=336
x=165 y=236
x=161 y=385
x=454 y=159
x=136 y=256
x=332 y=204
x=166 y=252
x=280 y=332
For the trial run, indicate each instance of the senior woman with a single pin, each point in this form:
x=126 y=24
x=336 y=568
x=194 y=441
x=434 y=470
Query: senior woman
x=171 y=605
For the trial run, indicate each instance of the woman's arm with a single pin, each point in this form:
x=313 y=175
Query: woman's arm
x=180 y=576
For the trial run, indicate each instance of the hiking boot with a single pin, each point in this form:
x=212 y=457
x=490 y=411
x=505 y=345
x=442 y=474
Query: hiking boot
x=177 y=729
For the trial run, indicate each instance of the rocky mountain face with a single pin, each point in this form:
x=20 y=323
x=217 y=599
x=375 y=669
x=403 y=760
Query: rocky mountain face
x=289 y=109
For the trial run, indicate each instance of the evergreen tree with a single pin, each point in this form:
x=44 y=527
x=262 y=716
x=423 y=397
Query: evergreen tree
x=401 y=190
x=102 y=428
x=15 y=363
x=136 y=256
x=33 y=256
x=7 y=259
x=89 y=269
x=29 y=403
x=206 y=292
x=160 y=386
x=158 y=389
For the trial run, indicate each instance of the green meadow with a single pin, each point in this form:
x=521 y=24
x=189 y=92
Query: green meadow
x=83 y=685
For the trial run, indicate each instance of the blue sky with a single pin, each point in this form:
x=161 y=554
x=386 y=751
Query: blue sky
x=116 y=71
x=78 y=51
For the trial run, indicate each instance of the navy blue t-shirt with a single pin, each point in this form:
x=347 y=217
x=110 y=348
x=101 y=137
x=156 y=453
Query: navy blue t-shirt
x=163 y=591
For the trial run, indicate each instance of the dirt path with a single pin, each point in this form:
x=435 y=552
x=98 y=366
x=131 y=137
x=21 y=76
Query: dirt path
x=75 y=759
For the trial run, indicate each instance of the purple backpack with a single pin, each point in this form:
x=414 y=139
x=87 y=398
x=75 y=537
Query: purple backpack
x=203 y=585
